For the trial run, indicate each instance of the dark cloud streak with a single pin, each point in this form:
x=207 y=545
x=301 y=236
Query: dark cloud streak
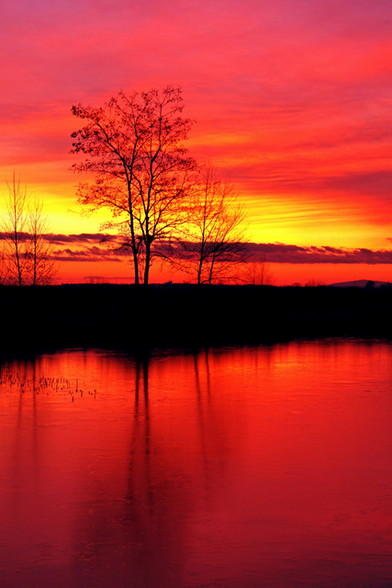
x=95 y=247
x=281 y=253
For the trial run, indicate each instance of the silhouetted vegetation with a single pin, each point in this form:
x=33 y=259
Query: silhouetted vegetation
x=25 y=255
x=163 y=203
x=132 y=147
x=188 y=315
x=212 y=247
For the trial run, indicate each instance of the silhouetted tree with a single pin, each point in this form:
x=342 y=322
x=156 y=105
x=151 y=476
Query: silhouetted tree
x=14 y=225
x=41 y=267
x=25 y=253
x=257 y=273
x=214 y=234
x=133 y=150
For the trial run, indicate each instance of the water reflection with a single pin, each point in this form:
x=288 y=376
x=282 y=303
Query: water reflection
x=265 y=466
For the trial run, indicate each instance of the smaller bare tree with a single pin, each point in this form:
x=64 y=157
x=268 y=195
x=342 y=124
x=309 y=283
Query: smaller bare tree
x=25 y=253
x=41 y=268
x=14 y=226
x=257 y=272
x=213 y=243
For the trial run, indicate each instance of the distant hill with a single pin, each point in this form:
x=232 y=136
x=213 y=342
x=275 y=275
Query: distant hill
x=362 y=284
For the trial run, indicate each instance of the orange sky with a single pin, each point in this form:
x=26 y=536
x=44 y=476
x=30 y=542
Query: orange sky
x=291 y=98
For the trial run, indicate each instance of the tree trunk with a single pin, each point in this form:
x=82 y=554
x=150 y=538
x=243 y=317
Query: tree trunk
x=135 y=267
x=17 y=256
x=35 y=259
x=134 y=248
x=211 y=272
x=200 y=264
x=147 y=262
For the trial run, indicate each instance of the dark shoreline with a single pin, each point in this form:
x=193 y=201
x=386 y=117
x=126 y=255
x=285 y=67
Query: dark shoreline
x=181 y=315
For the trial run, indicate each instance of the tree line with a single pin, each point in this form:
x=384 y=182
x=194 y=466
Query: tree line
x=161 y=202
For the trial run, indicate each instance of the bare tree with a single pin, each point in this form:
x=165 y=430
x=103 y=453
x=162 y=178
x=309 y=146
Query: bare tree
x=257 y=272
x=41 y=267
x=14 y=225
x=26 y=254
x=134 y=153
x=213 y=243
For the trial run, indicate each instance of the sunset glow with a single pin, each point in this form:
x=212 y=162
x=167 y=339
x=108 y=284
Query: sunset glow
x=292 y=100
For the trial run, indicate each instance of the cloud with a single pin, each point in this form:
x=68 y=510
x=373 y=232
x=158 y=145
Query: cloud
x=59 y=238
x=104 y=247
x=295 y=254
x=372 y=183
x=82 y=256
x=96 y=247
x=90 y=251
x=376 y=182
x=82 y=247
x=88 y=247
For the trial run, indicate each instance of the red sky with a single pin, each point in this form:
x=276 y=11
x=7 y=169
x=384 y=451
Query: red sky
x=291 y=97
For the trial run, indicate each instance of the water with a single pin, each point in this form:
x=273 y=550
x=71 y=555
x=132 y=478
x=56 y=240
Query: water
x=267 y=466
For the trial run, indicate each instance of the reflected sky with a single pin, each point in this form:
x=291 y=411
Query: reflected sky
x=265 y=466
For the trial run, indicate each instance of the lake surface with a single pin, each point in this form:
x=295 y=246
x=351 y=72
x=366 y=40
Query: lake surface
x=234 y=468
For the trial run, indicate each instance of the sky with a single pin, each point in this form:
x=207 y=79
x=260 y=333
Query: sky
x=291 y=98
